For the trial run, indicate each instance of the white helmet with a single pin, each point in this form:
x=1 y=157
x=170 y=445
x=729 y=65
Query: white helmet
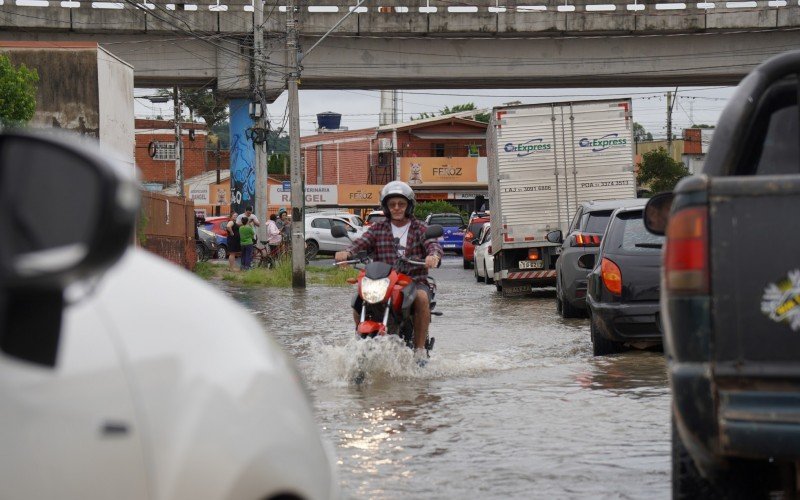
x=398 y=188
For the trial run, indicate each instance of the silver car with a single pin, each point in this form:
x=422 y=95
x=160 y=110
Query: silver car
x=319 y=238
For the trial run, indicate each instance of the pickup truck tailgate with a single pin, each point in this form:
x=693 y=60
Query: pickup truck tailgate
x=754 y=227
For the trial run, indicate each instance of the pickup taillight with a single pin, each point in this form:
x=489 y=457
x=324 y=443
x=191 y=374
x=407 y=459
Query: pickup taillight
x=686 y=252
x=585 y=240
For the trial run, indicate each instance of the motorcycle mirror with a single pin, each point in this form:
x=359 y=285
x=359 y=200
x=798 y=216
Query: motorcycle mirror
x=434 y=231
x=656 y=212
x=338 y=232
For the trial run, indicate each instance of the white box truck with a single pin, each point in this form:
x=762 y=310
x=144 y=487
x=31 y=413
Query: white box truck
x=545 y=159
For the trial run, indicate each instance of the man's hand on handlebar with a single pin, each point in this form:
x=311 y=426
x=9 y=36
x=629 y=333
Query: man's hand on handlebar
x=431 y=261
x=341 y=256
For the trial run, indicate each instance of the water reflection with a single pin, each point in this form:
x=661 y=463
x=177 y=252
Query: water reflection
x=638 y=374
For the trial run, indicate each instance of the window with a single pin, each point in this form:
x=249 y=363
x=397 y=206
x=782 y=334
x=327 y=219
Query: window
x=574 y=224
x=780 y=153
x=473 y=150
x=447 y=220
x=596 y=222
x=438 y=150
x=321 y=223
x=630 y=236
x=341 y=223
x=165 y=151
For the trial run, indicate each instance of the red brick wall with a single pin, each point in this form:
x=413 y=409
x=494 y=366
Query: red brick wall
x=194 y=152
x=353 y=157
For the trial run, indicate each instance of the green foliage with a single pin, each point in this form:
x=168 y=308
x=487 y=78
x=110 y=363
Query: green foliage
x=458 y=108
x=275 y=164
x=17 y=93
x=204 y=270
x=421 y=210
x=141 y=225
x=659 y=171
x=640 y=134
x=202 y=103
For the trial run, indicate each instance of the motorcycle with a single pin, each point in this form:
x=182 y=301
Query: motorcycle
x=385 y=295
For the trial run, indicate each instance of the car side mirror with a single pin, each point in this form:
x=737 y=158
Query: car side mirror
x=69 y=214
x=656 y=212
x=434 y=231
x=338 y=232
x=475 y=241
x=555 y=236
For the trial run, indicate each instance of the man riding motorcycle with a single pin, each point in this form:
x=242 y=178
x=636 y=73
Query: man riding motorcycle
x=401 y=233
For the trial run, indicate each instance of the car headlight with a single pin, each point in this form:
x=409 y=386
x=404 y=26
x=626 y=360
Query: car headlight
x=373 y=291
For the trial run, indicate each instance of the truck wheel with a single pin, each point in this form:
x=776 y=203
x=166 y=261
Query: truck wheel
x=687 y=482
x=601 y=346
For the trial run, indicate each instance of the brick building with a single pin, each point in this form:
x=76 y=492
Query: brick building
x=378 y=155
x=161 y=133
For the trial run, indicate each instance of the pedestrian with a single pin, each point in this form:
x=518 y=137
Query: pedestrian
x=273 y=235
x=234 y=246
x=251 y=217
x=246 y=238
x=286 y=225
x=280 y=221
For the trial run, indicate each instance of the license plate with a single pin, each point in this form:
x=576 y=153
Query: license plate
x=531 y=264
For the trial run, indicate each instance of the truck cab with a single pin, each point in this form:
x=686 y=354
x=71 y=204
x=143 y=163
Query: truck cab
x=730 y=297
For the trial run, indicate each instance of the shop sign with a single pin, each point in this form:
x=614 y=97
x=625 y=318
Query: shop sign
x=418 y=171
x=198 y=193
x=316 y=194
x=360 y=195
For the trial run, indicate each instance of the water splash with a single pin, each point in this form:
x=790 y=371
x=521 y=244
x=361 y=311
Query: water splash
x=386 y=358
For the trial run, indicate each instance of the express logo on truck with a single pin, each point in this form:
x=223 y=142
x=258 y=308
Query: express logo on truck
x=602 y=143
x=781 y=301
x=527 y=148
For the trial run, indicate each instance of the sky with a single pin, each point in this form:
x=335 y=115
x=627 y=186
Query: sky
x=361 y=108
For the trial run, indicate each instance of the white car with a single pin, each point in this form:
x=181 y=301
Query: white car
x=319 y=238
x=353 y=219
x=484 y=261
x=118 y=377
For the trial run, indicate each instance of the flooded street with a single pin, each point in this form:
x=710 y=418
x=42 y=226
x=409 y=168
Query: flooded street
x=512 y=403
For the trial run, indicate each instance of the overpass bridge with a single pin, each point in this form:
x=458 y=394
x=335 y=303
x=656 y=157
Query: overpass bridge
x=425 y=43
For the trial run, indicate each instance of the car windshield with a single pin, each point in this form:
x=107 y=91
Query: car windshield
x=375 y=218
x=446 y=220
x=629 y=235
x=476 y=227
x=596 y=222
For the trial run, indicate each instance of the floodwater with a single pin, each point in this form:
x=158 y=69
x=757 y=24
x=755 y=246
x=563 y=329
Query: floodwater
x=511 y=405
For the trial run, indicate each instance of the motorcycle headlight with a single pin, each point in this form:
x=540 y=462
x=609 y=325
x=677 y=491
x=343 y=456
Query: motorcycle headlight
x=373 y=291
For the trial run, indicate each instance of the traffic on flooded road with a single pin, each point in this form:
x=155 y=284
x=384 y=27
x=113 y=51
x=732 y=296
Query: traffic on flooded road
x=511 y=403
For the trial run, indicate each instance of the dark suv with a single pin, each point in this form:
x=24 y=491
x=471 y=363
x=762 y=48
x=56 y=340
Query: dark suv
x=578 y=251
x=623 y=287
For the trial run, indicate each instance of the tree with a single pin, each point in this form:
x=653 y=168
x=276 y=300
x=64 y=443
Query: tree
x=202 y=103
x=659 y=171
x=421 y=210
x=640 y=134
x=18 y=87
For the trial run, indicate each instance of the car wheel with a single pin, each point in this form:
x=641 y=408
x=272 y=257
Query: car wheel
x=489 y=280
x=687 y=482
x=602 y=346
x=312 y=249
x=222 y=252
x=478 y=278
x=567 y=310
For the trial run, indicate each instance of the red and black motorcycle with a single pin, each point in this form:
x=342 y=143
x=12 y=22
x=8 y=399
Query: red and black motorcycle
x=385 y=295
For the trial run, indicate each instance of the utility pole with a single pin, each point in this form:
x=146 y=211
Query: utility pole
x=259 y=140
x=298 y=196
x=176 y=99
x=670 y=104
x=298 y=191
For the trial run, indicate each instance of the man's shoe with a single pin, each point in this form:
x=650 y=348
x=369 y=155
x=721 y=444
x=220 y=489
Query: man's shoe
x=421 y=357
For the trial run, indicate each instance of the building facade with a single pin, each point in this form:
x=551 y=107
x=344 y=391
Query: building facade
x=155 y=151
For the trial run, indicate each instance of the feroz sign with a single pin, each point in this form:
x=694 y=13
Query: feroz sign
x=360 y=195
x=418 y=171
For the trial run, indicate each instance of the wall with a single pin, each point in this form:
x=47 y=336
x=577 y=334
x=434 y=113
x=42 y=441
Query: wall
x=67 y=95
x=345 y=156
x=163 y=171
x=115 y=98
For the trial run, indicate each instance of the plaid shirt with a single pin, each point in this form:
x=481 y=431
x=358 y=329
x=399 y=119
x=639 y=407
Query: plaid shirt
x=379 y=243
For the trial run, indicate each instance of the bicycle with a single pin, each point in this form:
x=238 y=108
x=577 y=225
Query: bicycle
x=266 y=256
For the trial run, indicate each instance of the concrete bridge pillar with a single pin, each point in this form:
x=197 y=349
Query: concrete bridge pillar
x=243 y=157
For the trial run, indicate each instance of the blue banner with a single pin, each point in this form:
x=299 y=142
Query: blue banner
x=243 y=157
